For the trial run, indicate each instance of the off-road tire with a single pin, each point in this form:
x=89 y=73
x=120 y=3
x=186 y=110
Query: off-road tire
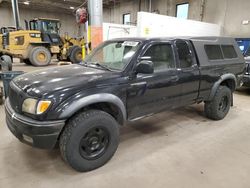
x=77 y=129
x=219 y=107
x=74 y=55
x=40 y=56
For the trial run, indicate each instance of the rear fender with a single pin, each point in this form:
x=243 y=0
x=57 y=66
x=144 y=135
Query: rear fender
x=223 y=78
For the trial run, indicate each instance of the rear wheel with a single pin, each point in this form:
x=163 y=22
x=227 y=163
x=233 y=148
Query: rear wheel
x=89 y=140
x=219 y=107
x=40 y=56
x=76 y=55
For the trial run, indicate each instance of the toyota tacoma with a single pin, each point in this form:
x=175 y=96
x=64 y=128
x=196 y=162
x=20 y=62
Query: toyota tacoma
x=81 y=107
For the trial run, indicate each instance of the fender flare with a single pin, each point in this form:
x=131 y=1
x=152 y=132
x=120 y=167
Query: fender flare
x=93 y=99
x=223 y=77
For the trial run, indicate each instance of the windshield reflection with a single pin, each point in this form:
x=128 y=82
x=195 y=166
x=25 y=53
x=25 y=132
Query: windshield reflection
x=113 y=55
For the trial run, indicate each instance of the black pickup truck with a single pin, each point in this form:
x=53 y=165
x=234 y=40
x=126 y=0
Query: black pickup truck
x=82 y=106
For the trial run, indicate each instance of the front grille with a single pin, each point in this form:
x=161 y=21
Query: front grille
x=16 y=97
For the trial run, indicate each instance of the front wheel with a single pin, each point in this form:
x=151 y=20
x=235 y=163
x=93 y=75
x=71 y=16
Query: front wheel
x=219 y=107
x=76 y=55
x=89 y=140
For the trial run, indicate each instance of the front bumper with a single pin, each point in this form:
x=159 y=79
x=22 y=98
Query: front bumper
x=246 y=80
x=40 y=134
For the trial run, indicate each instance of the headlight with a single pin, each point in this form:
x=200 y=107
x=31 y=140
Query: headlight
x=29 y=106
x=35 y=35
x=33 y=106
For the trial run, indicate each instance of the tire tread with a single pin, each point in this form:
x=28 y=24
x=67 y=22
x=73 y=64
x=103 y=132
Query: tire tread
x=210 y=106
x=70 y=127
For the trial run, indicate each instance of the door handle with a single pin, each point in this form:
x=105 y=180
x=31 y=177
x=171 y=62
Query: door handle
x=138 y=84
x=195 y=66
x=137 y=89
x=174 y=78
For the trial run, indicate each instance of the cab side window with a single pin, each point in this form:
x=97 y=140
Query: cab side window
x=161 y=55
x=184 y=53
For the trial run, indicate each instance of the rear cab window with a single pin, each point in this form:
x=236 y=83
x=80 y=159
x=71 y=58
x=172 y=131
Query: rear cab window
x=184 y=54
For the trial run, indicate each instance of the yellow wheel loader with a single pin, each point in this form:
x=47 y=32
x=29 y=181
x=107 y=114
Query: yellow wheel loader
x=40 y=42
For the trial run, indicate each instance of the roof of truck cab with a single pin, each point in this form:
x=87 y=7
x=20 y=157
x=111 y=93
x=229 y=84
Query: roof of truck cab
x=198 y=44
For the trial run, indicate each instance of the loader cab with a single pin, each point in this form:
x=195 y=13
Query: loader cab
x=49 y=28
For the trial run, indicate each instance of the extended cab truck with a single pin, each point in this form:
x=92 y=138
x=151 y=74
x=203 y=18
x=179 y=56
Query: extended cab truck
x=83 y=106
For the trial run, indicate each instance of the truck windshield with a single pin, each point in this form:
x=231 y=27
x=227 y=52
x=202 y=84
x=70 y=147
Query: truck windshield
x=114 y=55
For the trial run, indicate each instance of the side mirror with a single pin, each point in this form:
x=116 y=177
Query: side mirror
x=145 y=67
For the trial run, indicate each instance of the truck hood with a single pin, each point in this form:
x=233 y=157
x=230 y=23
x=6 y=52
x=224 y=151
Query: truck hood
x=64 y=78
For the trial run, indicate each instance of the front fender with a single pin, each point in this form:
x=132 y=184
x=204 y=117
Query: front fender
x=76 y=105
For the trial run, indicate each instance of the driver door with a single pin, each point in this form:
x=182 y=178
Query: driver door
x=151 y=93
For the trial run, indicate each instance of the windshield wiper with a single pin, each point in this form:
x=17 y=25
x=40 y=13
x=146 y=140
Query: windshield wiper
x=102 y=66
